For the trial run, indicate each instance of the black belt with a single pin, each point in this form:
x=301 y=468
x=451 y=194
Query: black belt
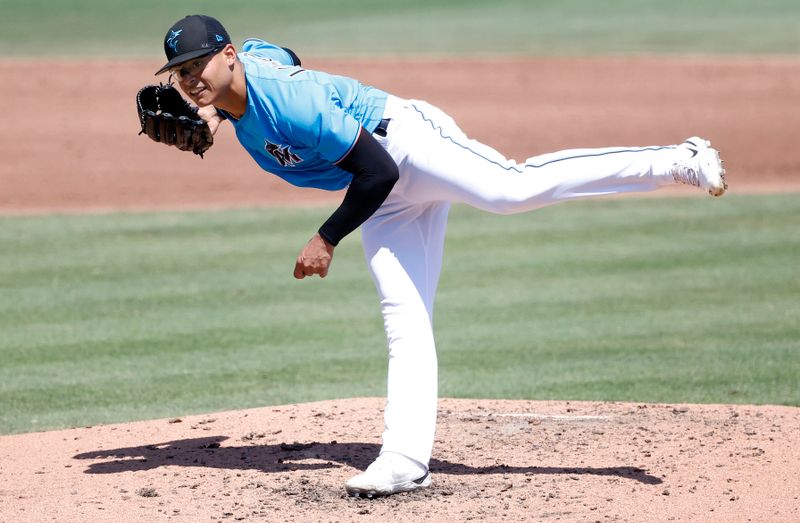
x=382 y=128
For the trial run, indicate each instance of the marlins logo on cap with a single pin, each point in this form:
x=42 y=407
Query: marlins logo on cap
x=172 y=41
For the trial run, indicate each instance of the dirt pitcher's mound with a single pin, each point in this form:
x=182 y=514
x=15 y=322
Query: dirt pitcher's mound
x=494 y=460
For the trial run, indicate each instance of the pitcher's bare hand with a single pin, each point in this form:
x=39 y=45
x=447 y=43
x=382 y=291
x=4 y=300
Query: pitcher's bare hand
x=315 y=258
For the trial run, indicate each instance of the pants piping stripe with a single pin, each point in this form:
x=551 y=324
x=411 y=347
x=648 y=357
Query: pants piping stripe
x=535 y=166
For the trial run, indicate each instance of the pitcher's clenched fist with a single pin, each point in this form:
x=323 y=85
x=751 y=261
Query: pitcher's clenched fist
x=315 y=258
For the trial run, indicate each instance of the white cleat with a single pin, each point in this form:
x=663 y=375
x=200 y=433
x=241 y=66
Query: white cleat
x=390 y=473
x=702 y=168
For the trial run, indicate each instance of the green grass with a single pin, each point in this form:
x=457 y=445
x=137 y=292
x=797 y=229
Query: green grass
x=120 y=28
x=666 y=301
x=131 y=316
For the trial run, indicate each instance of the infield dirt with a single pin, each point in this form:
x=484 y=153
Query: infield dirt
x=71 y=142
x=71 y=145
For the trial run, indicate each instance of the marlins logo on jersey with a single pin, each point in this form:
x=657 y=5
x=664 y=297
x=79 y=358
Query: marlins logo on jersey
x=283 y=155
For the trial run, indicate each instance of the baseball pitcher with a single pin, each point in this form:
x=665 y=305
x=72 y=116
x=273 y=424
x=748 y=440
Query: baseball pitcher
x=402 y=163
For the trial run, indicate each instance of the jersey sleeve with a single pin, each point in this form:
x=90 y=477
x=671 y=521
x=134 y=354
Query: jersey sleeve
x=273 y=52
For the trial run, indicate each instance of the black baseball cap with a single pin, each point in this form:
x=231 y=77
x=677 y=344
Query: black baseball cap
x=192 y=37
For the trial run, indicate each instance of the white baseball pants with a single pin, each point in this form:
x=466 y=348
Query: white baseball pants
x=404 y=240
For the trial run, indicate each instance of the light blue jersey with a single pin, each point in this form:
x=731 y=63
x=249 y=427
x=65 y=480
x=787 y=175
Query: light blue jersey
x=299 y=123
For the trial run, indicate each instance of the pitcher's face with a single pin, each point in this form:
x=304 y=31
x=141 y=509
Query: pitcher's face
x=205 y=79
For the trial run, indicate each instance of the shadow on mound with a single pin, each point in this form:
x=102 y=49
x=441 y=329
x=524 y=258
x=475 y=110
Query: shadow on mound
x=283 y=457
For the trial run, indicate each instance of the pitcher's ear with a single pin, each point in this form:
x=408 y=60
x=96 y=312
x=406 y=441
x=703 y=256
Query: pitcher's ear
x=229 y=52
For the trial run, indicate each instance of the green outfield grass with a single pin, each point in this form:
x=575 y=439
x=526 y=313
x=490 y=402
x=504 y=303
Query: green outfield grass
x=131 y=316
x=121 y=28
